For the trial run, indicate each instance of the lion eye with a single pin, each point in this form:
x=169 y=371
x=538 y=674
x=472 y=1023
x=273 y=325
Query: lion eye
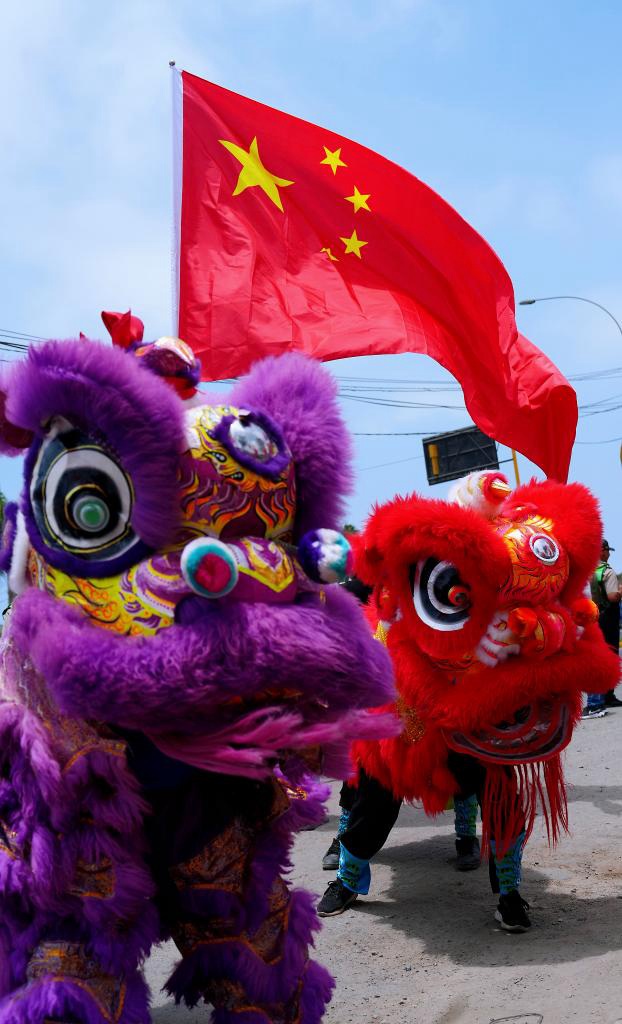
x=81 y=498
x=251 y=439
x=544 y=548
x=442 y=600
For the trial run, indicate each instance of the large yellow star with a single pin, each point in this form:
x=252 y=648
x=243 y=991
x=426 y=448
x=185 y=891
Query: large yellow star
x=354 y=244
x=333 y=159
x=358 y=200
x=254 y=173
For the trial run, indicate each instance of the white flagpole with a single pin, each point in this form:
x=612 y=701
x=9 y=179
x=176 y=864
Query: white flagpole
x=177 y=123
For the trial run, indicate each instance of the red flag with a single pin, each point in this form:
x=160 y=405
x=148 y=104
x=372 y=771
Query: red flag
x=292 y=237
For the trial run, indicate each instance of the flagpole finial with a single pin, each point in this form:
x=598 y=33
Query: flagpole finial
x=171 y=63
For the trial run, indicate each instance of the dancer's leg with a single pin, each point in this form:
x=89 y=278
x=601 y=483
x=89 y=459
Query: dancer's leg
x=243 y=934
x=373 y=815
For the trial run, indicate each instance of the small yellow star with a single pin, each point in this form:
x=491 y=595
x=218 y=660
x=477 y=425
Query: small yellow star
x=328 y=252
x=254 y=173
x=333 y=159
x=358 y=200
x=354 y=244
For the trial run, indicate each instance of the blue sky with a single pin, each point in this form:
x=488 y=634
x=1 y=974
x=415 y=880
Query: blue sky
x=509 y=111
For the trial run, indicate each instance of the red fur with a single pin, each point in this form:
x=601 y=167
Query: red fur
x=443 y=687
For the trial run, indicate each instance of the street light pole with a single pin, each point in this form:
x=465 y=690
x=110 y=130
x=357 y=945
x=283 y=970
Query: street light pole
x=578 y=298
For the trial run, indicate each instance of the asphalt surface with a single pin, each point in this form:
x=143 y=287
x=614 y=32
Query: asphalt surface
x=423 y=947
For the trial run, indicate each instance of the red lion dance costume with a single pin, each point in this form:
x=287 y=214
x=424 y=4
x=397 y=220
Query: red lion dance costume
x=481 y=603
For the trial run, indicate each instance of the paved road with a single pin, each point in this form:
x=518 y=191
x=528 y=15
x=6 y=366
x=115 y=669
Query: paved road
x=423 y=948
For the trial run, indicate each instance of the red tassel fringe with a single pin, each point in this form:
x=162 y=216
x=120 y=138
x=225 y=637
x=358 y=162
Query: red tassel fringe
x=512 y=797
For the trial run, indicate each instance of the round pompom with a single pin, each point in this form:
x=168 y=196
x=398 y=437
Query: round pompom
x=584 y=611
x=209 y=567
x=484 y=491
x=325 y=556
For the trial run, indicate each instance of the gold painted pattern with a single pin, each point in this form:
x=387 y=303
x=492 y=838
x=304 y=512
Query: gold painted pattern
x=8 y=841
x=266 y=943
x=68 y=962
x=276 y=577
x=382 y=633
x=530 y=578
x=114 y=602
x=220 y=865
x=414 y=727
x=216 y=506
x=94 y=880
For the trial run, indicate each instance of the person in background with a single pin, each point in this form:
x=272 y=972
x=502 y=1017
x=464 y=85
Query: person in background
x=386 y=808
x=606 y=593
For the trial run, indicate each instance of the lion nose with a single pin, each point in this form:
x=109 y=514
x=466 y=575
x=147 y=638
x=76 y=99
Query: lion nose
x=209 y=567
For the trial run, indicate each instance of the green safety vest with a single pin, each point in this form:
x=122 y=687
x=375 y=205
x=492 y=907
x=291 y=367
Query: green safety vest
x=597 y=587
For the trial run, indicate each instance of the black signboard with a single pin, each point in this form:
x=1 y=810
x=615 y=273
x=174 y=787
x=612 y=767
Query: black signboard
x=458 y=452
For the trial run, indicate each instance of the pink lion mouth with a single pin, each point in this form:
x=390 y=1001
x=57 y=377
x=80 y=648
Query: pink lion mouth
x=537 y=732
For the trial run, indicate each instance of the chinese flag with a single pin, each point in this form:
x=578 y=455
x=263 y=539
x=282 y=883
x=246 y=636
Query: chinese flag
x=292 y=237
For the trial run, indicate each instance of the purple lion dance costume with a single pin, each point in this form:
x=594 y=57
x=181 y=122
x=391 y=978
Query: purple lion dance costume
x=173 y=674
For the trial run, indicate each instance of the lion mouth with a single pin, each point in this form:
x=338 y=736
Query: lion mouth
x=536 y=733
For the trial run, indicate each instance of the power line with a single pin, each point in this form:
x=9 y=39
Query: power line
x=608 y=440
x=388 y=403
x=412 y=458
x=12 y=347
x=381 y=465
x=598 y=412
x=389 y=433
x=588 y=375
x=9 y=332
x=357 y=389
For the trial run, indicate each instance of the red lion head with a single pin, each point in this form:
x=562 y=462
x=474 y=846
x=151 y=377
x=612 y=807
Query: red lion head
x=480 y=599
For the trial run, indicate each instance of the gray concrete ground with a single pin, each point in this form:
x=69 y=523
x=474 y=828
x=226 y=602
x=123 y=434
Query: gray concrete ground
x=423 y=947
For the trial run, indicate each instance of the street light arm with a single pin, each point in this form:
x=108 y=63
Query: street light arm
x=578 y=298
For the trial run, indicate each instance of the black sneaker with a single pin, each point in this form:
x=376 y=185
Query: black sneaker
x=593 y=713
x=611 y=701
x=469 y=853
x=336 y=899
x=511 y=912
x=330 y=860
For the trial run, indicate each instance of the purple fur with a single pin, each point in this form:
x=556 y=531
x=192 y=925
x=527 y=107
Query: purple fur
x=241 y=1017
x=300 y=395
x=316 y=993
x=320 y=650
x=64 y=1000
x=45 y=806
x=101 y=388
x=266 y=983
x=309 y=554
x=231 y=687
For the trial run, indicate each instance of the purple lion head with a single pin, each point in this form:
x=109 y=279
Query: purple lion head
x=142 y=516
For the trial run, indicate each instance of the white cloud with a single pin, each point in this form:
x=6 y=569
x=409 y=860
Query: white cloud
x=89 y=134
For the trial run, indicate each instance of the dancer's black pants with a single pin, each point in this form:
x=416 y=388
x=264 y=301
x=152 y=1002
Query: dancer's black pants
x=374 y=810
